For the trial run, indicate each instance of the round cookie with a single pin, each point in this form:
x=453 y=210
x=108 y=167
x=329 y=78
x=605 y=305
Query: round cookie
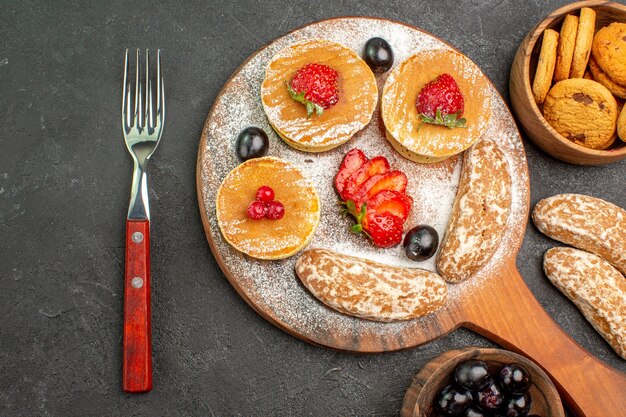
x=583 y=111
x=358 y=95
x=545 y=65
x=584 y=39
x=601 y=77
x=621 y=125
x=565 y=51
x=423 y=142
x=609 y=51
x=265 y=238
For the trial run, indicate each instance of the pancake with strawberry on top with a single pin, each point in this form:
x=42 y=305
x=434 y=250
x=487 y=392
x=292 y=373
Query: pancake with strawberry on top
x=317 y=94
x=435 y=104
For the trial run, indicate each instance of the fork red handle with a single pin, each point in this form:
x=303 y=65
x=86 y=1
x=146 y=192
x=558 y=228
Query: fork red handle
x=137 y=349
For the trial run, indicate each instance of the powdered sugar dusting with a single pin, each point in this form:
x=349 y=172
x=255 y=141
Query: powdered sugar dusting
x=272 y=286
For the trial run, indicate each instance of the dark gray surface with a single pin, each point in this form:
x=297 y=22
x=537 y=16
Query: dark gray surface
x=64 y=185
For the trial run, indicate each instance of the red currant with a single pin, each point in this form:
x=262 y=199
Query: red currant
x=256 y=210
x=265 y=194
x=275 y=210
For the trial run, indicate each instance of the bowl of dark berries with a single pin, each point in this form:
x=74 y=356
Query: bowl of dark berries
x=481 y=382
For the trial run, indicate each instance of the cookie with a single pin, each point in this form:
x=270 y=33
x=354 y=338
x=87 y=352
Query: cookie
x=621 y=125
x=609 y=50
x=601 y=77
x=565 y=51
x=584 y=39
x=545 y=65
x=583 y=111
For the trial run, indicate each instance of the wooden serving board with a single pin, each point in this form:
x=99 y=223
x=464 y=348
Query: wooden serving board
x=495 y=302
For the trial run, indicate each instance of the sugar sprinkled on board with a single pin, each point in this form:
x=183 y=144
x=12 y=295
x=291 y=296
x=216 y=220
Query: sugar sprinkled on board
x=273 y=286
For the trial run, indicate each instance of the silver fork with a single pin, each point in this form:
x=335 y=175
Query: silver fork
x=142 y=129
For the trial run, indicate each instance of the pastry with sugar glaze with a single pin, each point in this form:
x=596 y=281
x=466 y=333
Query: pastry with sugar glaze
x=370 y=290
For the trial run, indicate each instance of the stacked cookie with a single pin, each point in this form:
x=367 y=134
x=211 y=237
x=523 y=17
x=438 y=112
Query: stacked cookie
x=580 y=80
x=591 y=276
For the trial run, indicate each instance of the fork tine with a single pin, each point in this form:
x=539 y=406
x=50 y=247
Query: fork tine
x=138 y=94
x=125 y=94
x=148 y=93
x=160 y=99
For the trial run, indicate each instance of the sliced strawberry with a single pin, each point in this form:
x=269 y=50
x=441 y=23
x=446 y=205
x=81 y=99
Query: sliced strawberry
x=359 y=196
x=375 y=166
x=388 y=201
x=351 y=162
x=393 y=180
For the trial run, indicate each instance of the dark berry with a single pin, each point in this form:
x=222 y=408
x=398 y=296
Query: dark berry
x=265 y=194
x=472 y=374
x=275 y=210
x=489 y=398
x=421 y=242
x=517 y=406
x=378 y=55
x=453 y=401
x=252 y=142
x=473 y=412
x=515 y=379
x=256 y=210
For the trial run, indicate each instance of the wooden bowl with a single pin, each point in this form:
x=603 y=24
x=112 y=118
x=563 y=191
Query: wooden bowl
x=524 y=106
x=436 y=374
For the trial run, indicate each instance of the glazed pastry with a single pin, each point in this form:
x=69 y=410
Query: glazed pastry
x=545 y=65
x=583 y=111
x=585 y=222
x=350 y=111
x=595 y=287
x=479 y=214
x=406 y=129
x=266 y=238
x=609 y=51
x=370 y=290
x=565 y=51
x=584 y=39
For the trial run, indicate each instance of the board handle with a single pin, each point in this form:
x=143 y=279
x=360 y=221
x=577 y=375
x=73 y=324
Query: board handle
x=508 y=313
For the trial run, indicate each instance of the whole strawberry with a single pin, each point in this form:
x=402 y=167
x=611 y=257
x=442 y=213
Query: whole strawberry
x=385 y=229
x=315 y=86
x=441 y=102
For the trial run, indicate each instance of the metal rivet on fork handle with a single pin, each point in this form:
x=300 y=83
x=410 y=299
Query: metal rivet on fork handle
x=137 y=237
x=136 y=282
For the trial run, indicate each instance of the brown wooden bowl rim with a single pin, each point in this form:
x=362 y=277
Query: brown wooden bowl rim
x=533 y=36
x=479 y=352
